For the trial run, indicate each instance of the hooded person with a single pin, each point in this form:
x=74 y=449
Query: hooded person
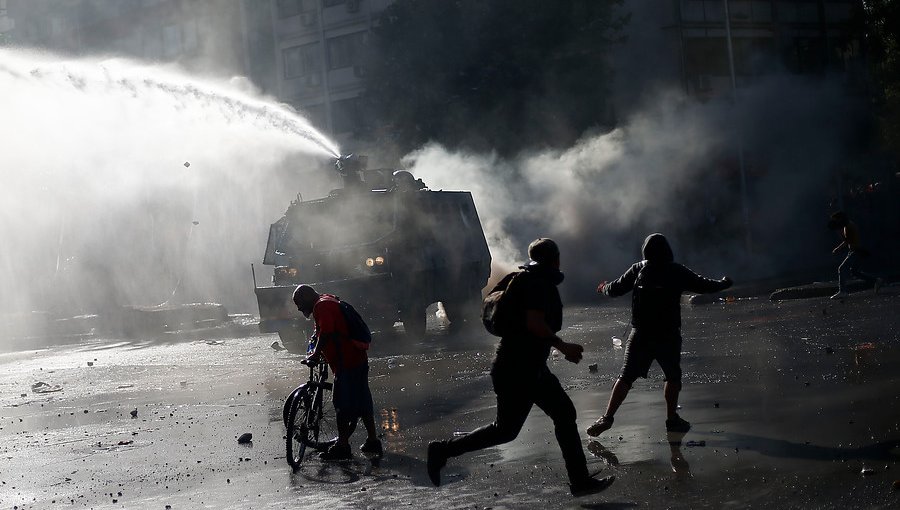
x=520 y=375
x=656 y=284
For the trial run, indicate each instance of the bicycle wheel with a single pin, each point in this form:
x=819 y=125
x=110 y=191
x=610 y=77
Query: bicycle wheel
x=297 y=431
x=322 y=425
x=289 y=403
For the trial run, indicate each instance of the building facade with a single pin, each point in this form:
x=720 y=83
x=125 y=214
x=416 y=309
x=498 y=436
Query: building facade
x=199 y=35
x=766 y=37
x=321 y=53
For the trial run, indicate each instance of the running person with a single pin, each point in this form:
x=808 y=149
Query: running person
x=521 y=378
x=850 y=240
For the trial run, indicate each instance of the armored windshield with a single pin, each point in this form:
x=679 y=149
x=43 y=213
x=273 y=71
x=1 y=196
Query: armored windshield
x=332 y=224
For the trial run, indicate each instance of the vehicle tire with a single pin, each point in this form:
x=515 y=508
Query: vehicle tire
x=297 y=429
x=322 y=423
x=466 y=313
x=295 y=338
x=382 y=324
x=414 y=320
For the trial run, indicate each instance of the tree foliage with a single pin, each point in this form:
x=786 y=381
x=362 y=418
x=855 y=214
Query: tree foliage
x=496 y=75
x=883 y=40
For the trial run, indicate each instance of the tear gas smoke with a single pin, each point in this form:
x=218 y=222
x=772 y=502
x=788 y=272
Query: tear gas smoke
x=670 y=168
x=130 y=184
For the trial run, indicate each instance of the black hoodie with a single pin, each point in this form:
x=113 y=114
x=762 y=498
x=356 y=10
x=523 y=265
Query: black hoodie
x=658 y=282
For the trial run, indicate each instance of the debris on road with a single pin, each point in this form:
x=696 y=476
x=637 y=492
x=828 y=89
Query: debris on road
x=691 y=444
x=592 y=367
x=246 y=438
x=134 y=413
x=277 y=346
x=42 y=387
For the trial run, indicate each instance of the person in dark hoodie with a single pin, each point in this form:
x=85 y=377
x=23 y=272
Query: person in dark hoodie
x=656 y=284
x=521 y=378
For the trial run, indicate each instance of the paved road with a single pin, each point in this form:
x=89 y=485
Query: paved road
x=790 y=401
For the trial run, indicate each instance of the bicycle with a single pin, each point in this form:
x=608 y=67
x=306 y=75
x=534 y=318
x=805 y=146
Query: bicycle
x=309 y=416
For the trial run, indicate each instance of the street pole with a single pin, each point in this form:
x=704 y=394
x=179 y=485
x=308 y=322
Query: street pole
x=740 y=139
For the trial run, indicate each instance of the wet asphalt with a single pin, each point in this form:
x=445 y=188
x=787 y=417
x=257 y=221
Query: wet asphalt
x=793 y=404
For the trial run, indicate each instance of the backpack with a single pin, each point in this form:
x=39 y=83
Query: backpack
x=357 y=328
x=496 y=311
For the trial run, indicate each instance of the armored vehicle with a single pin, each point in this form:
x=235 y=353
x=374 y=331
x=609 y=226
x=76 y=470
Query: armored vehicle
x=385 y=243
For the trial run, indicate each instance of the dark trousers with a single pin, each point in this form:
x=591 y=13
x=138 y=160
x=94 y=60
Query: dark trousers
x=851 y=265
x=515 y=397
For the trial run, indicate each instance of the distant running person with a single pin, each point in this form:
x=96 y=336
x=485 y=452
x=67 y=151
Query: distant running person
x=850 y=240
x=656 y=284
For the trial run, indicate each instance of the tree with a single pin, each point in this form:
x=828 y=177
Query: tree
x=883 y=39
x=499 y=75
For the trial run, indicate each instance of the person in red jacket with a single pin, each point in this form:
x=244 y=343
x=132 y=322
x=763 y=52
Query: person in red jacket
x=349 y=363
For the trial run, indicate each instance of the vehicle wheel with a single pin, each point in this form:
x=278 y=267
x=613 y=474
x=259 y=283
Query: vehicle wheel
x=295 y=338
x=297 y=429
x=382 y=324
x=464 y=313
x=414 y=320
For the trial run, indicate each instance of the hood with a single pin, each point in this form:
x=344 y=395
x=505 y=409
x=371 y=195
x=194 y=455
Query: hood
x=551 y=273
x=656 y=249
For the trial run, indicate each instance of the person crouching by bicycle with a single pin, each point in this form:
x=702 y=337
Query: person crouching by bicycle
x=521 y=377
x=350 y=365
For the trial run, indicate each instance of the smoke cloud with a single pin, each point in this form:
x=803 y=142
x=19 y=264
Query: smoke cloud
x=672 y=167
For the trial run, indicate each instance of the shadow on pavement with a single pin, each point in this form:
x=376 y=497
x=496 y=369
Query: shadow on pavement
x=882 y=451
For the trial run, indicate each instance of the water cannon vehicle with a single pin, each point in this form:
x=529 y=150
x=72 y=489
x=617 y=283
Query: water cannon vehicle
x=383 y=242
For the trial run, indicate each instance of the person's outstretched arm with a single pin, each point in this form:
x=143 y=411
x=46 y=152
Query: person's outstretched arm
x=621 y=285
x=692 y=282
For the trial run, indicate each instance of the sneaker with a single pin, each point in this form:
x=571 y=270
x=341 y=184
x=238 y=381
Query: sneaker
x=677 y=424
x=437 y=459
x=372 y=447
x=336 y=453
x=602 y=425
x=840 y=295
x=878 y=283
x=591 y=485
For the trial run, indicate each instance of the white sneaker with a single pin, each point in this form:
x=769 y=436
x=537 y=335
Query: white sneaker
x=840 y=295
x=878 y=283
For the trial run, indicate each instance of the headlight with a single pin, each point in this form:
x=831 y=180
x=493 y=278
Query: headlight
x=286 y=272
x=379 y=261
x=370 y=262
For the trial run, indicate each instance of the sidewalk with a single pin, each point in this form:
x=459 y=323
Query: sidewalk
x=779 y=289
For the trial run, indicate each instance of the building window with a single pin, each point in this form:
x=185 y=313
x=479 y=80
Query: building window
x=762 y=11
x=190 y=36
x=171 y=41
x=315 y=114
x=332 y=3
x=345 y=115
x=288 y=8
x=303 y=61
x=346 y=50
x=692 y=10
x=152 y=45
x=739 y=10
